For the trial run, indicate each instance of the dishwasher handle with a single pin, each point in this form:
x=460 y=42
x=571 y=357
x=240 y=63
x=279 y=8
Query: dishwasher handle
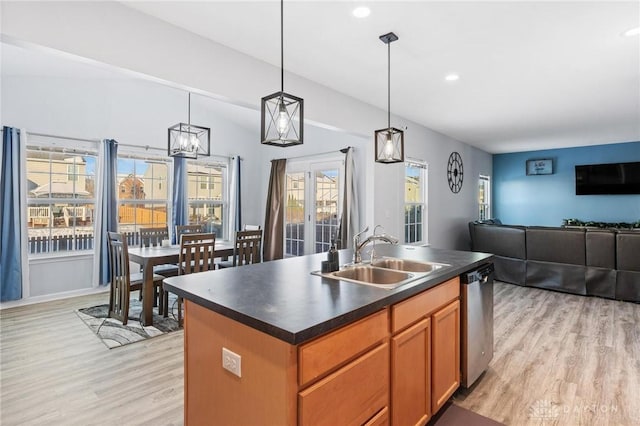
x=480 y=275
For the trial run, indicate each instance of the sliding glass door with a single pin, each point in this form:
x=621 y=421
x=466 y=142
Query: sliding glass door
x=312 y=206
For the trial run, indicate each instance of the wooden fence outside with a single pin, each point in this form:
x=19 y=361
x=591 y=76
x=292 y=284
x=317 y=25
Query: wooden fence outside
x=140 y=215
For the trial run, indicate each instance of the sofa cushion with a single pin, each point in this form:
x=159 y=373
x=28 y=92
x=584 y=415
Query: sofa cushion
x=557 y=276
x=628 y=286
x=628 y=251
x=556 y=245
x=501 y=240
x=510 y=270
x=601 y=282
x=601 y=249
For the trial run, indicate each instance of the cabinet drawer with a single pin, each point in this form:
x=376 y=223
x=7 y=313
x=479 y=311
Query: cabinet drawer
x=411 y=310
x=350 y=396
x=380 y=419
x=326 y=353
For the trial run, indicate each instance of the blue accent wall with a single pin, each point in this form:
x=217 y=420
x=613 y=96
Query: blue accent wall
x=545 y=200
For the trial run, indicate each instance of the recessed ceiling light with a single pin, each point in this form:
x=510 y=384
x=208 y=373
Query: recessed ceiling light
x=452 y=77
x=632 y=32
x=361 y=12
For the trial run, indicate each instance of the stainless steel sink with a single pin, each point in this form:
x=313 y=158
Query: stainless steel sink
x=407 y=265
x=372 y=275
x=387 y=272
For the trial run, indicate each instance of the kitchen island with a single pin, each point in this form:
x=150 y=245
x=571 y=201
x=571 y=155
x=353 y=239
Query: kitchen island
x=319 y=351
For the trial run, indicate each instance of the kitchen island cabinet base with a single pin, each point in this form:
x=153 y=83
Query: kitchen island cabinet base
x=215 y=396
x=396 y=365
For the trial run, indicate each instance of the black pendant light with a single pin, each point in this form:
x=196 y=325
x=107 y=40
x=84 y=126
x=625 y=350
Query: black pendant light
x=187 y=140
x=389 y=141
x=282 y=113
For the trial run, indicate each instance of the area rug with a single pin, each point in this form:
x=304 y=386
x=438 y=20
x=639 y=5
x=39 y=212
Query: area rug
x=452 y=415
x=113 y=334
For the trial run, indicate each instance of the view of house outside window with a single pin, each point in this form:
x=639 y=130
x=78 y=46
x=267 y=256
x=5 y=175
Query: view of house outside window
x=415 y=185
x=484 y=197
x=143 y=196
x=60 y=199
x=206 y=183
x=312 y=192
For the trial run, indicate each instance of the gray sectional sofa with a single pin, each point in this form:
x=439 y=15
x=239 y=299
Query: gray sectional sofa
x=593 y=262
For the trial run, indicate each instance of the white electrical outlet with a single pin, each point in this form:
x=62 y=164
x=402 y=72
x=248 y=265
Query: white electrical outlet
x=232 y=362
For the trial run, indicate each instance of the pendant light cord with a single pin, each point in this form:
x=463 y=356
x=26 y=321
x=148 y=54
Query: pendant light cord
x=389 y=85
x=282 y=45
x=189 y=112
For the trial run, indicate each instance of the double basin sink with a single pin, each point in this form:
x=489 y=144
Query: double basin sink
x=386 y=272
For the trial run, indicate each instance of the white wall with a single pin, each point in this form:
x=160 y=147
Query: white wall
x=114 y=34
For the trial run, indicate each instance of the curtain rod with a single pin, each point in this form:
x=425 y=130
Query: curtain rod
x=145 y=147
x=343 y=150
x=62 y=137
x=46 y=135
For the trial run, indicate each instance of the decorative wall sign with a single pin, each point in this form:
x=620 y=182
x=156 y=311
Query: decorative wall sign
x=540 y=167
x=455 y=172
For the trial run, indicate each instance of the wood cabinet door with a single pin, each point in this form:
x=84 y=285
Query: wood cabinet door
x=445 y=354
x=411 y=375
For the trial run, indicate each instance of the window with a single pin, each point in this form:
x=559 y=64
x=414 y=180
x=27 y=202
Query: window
x=60 y=198
x=484 y=197
x=415 y=196
x=142 y=202
x=72 y=172
x=312 y=206
x=207 y=196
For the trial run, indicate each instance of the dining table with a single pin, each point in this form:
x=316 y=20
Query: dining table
x=148 y=257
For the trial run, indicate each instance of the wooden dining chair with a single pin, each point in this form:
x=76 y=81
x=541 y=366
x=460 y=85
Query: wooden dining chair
x=123 y=282
x=153 y=237
x=188 y=229
x=246 y=250
x=197 y=252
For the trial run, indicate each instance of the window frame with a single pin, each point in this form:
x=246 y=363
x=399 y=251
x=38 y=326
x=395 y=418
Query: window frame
x=308 y=167
x=132 y=154
x=423 y=189
x=44 y=248
x=209 y=182
x=486 y=188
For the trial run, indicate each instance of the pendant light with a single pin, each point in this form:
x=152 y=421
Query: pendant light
x=282 y=113
x=187 y=140
x=389 y=141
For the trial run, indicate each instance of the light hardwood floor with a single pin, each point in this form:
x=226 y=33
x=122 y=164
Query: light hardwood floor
x=559 y=360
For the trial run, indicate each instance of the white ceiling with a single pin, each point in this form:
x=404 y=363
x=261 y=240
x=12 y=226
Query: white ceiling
x=533 y=75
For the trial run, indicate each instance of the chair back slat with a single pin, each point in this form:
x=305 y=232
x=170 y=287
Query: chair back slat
x=120 y=280
x=188 y=229
x=248 y=247
x=197 y=252
x=152 y=237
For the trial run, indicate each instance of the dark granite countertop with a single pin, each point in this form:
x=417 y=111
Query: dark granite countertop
x=281 y=298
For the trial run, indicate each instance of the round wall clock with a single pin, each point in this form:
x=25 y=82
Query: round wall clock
x=455 y=172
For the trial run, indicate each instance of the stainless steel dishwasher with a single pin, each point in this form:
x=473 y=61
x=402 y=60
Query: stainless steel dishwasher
x=477 y=323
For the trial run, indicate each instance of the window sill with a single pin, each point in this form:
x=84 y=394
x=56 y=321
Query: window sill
x=49 y=257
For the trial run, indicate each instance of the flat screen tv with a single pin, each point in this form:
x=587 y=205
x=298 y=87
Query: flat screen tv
x=615 y=178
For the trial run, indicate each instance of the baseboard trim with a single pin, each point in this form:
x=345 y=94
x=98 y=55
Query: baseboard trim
x=51 y=297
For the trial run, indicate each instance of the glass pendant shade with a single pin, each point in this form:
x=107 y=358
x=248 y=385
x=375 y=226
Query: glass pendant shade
x=282 y=118
x=189 y=141
x=389 y=145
